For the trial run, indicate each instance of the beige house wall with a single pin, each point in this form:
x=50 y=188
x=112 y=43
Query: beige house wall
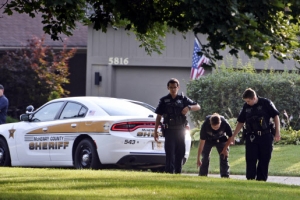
x=128 y=72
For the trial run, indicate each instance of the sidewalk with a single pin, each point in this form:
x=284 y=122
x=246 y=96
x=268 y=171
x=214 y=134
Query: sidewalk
x=289 y=180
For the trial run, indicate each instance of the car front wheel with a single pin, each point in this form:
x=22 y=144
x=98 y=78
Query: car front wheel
x=4 y=154
x=86 y=156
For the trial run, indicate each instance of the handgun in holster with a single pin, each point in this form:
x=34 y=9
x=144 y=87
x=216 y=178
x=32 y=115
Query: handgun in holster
x=273 y=129
x=163 y=129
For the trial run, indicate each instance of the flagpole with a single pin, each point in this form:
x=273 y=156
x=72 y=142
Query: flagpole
x=198 y=39
x=201 y=47
x=204 y=50
x=197 y=70
x=197 y=61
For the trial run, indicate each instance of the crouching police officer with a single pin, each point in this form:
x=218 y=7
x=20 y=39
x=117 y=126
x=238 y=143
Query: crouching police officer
x=173 y=108
x=256 y=113
x=215 y=131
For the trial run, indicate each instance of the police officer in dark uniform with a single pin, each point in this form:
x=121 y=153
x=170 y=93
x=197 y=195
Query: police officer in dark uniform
x=256 y=113
x=3 y=105
x=173 y=108
x=215 y=131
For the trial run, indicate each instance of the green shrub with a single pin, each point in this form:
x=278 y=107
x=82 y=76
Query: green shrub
x=195 y=134
x=289 y=136
x=37 y=73
x=9 y=119
x=221 y=91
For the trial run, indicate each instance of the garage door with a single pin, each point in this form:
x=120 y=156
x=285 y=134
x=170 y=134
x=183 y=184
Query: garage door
x=146 y=84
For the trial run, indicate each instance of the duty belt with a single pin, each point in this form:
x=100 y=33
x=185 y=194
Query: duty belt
x=213 y=140
x=174 y=126
x=260 y=132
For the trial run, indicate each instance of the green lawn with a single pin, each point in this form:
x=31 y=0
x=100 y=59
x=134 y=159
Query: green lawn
x=38 y=183
x=285 y=161
x=43 y=183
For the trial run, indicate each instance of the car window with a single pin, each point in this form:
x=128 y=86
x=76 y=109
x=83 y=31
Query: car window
x=124 y=108
x=48 y=112
x=144 y=105
x=73 y=110
x=82 y=112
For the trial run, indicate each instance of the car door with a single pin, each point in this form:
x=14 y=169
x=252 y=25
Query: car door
x=64 y=133
x=34 y=143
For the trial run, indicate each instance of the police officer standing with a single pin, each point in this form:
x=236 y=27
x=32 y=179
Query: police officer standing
x=3 y=105
x=256 y=113
x=173 y=108
x=215 y=131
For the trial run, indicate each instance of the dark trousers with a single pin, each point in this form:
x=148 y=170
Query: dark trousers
x=258 y=156
x=224 y=165
x=175 y=150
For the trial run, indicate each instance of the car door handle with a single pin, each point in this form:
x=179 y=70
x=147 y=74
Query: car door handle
x=73 y=125
x=45 y=129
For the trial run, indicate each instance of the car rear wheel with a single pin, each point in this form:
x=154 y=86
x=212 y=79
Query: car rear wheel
x=86 y=156
x=4 y=154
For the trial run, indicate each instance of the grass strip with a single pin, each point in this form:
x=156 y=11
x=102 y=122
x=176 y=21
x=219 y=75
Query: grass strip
x=48 y=183
x=285 y=161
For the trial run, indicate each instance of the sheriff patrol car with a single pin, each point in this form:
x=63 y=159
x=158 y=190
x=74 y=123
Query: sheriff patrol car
x=84 y=132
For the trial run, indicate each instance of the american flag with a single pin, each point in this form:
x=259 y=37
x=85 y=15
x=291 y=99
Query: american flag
x=91 y=112
x=197 y=70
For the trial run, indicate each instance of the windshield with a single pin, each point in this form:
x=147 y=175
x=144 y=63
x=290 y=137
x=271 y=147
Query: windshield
x=117 y=107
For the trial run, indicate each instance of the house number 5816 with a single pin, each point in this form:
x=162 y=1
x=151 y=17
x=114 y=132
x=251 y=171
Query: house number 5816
x=117 y=61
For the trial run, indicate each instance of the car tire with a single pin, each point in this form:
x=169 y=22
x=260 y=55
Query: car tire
x=86 y=155
x=4 y=154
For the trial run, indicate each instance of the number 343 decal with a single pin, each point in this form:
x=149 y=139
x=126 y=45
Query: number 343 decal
x=129 y=142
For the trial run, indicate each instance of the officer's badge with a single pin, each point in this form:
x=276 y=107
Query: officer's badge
x=178 y=101
x=248 y=110
x=259 y=107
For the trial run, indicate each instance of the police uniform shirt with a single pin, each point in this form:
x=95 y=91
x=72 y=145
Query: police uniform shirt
x=162 y=108
x=265 y=104
x=3 y=108
x=207 y=133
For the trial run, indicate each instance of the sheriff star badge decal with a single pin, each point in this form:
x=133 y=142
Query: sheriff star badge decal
x=11 y=132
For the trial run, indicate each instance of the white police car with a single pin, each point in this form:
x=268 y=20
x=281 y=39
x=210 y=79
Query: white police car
x=84 y=132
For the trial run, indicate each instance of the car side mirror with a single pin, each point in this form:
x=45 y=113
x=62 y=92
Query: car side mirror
x=24 y=117
x=29 y=109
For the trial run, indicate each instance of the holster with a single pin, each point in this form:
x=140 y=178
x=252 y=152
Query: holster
x=163 y=129
x=273 y=129
x=244 y=133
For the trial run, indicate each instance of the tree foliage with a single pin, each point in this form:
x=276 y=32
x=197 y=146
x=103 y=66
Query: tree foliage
x=260 y=28
x=34 y=75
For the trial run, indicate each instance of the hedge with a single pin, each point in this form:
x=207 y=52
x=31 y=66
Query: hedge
x=221 y=92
